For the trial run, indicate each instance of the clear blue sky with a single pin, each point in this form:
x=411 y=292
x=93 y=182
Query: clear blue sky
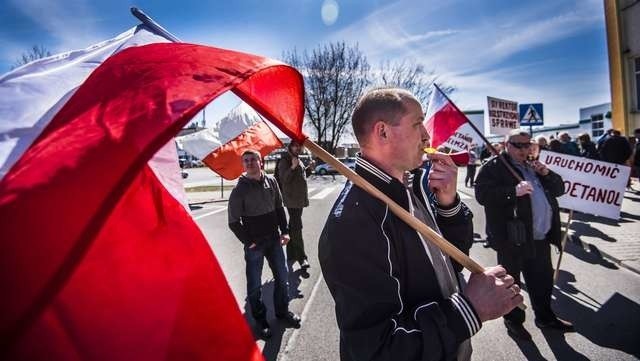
x=549 y=51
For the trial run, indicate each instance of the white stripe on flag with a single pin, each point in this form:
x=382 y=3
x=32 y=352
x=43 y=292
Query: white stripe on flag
x=436 y=102
x=31 y=95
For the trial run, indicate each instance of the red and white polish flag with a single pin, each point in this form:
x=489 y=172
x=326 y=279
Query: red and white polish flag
x=221 y=147
x=99 y=259
x=442 y=119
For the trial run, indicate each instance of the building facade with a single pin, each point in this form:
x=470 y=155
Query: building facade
x=595 y=120
x=623 y=43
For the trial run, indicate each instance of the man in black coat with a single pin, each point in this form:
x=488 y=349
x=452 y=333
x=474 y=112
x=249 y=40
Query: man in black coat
x=293 y=183
x=397 y=296
x=533 y=201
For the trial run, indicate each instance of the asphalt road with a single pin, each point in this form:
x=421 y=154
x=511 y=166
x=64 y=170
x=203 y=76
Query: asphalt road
x=602 y=300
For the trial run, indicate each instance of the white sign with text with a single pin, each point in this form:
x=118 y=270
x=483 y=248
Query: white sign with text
x=590 y=186
x=465 y=137
x=503 y=115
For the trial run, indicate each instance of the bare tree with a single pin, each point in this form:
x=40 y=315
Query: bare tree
x=411 y=76
x=335 y=76
x=36 y=52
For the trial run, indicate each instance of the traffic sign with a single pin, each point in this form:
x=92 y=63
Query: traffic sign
x=531 y=114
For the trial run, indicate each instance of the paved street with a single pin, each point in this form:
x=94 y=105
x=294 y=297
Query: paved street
x=600 y=294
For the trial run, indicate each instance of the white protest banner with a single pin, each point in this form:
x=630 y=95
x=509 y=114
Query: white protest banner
x=590 y=186
x=503 y=115
x=465 y=137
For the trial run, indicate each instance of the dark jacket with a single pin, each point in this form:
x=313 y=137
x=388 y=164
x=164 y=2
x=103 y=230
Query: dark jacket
x=588 y=150
x=255 y=209
x=615 y=149
x=570 y=148
x=496 y=190
x=292 y=183
x=388 y=302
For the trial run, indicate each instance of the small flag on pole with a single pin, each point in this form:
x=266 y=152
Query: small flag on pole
x=443 y=118
x=221 y=147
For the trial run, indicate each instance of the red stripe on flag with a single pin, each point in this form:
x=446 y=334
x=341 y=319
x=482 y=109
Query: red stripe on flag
x=444 y=123
x=149 y=288
x=226 y=160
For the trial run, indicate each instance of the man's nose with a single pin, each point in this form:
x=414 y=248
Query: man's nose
x=424 y=133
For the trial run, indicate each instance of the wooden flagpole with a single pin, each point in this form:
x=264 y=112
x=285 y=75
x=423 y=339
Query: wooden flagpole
x=562 y=244
x=407 y=217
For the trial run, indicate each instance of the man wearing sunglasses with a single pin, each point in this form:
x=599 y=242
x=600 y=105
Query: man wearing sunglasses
x=533 y=202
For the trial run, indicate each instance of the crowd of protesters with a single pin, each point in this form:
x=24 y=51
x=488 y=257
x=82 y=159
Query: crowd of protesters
x=611 y=147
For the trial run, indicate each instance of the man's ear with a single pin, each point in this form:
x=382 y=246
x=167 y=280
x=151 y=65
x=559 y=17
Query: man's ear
x=380 y=129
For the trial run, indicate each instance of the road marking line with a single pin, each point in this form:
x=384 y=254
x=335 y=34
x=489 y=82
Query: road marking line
x=294 y=335
x=323 y=193
x=210 y=213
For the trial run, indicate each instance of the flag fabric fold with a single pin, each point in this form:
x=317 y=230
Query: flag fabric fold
x=99 y=258
x=443 y=118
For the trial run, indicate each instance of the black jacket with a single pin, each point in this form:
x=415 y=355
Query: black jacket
x=389 y=305
x=496 y=190
x=616 y=149
x=255 y=209
x=293 y=183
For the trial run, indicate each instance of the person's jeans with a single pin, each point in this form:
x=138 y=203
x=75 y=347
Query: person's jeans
x=270 y=249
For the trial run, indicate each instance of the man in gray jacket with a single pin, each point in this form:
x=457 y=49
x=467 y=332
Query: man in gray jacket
x=291 y=177
x=255 y=214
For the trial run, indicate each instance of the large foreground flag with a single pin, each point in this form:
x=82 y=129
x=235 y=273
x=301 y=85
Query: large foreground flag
x=98 y=258
x=221 y=147
x=443 y=118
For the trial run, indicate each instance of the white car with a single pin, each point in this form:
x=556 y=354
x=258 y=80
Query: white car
x=326 y=168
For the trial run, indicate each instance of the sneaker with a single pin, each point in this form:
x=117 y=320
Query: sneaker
x=517 y=331
x=265 y=329
x=304 y=265
x=556 y=324
x=291 y=318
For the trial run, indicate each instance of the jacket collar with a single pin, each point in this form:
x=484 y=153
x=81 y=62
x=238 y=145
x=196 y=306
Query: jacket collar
x=381 y=180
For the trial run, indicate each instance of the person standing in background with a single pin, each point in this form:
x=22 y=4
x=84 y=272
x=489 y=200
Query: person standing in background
x=469 y=180
x=531 y=204
x=292 y=179
x=255 y=215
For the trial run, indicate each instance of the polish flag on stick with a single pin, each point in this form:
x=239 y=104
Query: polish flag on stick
x=100 y=259
x=221 y=148
x=443 y=118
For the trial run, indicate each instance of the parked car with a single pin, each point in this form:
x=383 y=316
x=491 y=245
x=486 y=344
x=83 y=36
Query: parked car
x=326 y=168
x=189 y=162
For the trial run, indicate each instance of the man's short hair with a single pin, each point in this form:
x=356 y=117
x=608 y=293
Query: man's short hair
x=292 y=143
x=252 y=151
x=387 y=104
x=517 y=132
x=584 y=137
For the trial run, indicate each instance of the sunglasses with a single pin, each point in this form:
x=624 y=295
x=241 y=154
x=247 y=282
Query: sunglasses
x=520 y=145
